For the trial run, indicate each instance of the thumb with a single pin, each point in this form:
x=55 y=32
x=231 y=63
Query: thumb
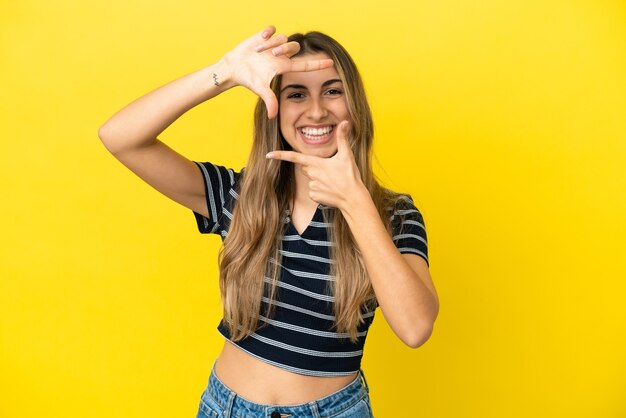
x=271 y=103
x=343 y=145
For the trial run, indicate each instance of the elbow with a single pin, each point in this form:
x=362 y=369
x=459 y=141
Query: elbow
x=421 y=332
x=117 y=142
x=105 y=139
x=109 y=140
x=419 y=336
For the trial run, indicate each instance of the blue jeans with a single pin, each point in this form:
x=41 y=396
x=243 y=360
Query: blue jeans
x=218 y=401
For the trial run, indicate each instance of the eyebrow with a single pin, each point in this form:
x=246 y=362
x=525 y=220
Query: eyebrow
x=300 y=86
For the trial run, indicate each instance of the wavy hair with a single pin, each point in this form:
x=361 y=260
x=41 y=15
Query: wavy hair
x=250 y=258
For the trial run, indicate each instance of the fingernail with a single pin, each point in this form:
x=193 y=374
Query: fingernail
x=269 y=155
x=276 y=50
x=258 y=48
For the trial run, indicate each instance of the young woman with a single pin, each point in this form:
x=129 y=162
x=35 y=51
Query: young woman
x=312 y=243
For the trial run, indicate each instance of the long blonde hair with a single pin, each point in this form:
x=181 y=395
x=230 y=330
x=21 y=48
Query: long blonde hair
x=251 y=249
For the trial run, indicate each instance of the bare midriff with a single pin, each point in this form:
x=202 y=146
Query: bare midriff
x=263 y=383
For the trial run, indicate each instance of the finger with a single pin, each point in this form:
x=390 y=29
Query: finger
x=305 y=171
x=343 y=144
x=314 y=186
x=311 y=65
x=271 y=43
x=309 y=172
x=260 y=37
x=271 y=103
x=267 y=32
x=291 y=156
x=288 y=49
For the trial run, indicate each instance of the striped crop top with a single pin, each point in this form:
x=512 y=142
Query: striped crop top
x=300 y=337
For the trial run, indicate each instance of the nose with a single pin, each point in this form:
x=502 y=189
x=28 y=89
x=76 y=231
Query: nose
x=316 y=109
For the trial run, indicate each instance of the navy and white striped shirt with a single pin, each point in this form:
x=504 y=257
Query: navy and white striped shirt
x=300 y=337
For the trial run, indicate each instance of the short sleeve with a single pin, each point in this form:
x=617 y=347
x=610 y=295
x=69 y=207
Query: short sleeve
x=409 y=230
x=220 y=186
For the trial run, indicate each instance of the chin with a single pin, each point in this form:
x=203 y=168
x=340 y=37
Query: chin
x=321 y=153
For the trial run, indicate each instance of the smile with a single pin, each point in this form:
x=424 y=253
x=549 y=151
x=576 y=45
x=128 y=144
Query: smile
x=317 y=135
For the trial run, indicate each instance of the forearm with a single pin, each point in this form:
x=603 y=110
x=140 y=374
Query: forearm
x=140 y=122
x=409 y=302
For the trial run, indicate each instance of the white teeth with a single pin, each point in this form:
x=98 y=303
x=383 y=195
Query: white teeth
x=316 y=131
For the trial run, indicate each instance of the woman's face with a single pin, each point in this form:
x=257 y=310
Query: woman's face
x=312 y=104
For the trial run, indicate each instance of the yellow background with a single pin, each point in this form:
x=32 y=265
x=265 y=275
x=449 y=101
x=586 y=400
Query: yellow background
x=506 y=121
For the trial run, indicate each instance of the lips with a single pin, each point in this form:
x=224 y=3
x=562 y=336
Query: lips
x=316 y=134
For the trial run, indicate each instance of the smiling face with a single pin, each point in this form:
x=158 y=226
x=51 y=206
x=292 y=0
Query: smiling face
x=312 y=104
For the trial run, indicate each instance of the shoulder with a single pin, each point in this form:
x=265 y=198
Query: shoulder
x=408 y=227
x=403 y=201
x=405 y=216
x=223 y=176
x=401 y=205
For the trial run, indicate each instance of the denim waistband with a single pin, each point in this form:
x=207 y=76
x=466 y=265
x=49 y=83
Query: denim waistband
x=235 y=405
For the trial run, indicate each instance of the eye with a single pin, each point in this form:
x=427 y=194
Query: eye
x=334 y=92
x=295 y=95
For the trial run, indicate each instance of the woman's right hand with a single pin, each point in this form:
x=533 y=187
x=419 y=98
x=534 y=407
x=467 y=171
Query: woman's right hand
x=257 y=60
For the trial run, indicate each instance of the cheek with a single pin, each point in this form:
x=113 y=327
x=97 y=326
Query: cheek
x=340 y=109
x=345 y=109
x=286 y=120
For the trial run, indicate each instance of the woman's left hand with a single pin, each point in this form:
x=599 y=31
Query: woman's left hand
x=332 y=181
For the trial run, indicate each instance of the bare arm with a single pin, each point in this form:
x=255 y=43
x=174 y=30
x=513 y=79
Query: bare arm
x=131 y=136
x=402 y=282
x=131 y=133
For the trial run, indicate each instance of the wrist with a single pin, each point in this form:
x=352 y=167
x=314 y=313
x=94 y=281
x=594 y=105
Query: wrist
x=219 y=76
x=356 y=202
